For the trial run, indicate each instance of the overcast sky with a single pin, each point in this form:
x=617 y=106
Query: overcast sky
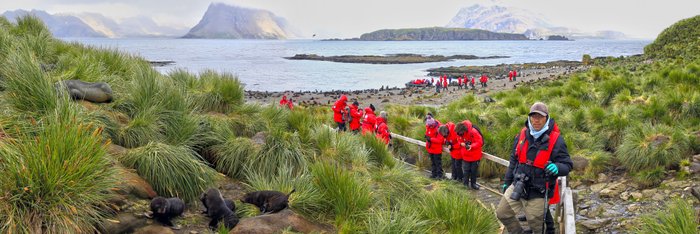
x=351 y=18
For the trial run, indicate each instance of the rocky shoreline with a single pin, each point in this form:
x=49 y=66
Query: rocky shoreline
x=388 y=59
x=380 y=97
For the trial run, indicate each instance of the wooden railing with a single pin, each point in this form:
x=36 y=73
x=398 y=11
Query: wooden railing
x=564 y=209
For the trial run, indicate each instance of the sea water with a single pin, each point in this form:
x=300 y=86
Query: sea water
x=261 y=66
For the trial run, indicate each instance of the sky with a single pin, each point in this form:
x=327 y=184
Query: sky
x=350 y=18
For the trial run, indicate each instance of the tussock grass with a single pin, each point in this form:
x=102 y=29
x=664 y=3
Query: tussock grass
x=307 y=200
x=345 y=194
x=647 y=147
x=281 y=149
x=55 y=180
x=29 y=88
x=679 y=217
x=451 y=212
x=378 y=152
x=173 y=171
x=395 y=221
x=232 y=156
x=393 y=185
x=650 y=177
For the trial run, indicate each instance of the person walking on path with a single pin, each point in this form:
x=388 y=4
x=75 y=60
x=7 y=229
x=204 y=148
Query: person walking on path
x=539 y=156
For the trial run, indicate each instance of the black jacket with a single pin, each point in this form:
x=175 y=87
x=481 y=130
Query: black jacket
x=535 y=186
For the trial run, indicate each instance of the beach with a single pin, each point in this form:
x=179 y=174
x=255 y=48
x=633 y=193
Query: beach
x=382 y=96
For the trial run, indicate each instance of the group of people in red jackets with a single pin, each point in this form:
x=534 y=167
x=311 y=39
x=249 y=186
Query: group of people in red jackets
x=462 y=82
x=287 y=102
x=464 y=140
x=512 y=75
x=364 y=121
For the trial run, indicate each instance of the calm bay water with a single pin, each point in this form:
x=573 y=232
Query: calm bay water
x=261 y=66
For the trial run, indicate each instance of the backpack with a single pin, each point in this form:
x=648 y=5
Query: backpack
x=478 y=130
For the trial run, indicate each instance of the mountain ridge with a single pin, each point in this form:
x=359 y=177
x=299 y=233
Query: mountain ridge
x=224 y=21
x=514 y=20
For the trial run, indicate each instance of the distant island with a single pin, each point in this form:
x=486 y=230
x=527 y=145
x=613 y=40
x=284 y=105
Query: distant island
x=558 y=38
x=388 y=59
x=437 y=34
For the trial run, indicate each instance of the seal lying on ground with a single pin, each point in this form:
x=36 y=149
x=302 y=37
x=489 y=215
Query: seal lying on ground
x=99 y=92
x=165 y=209
x=268 y=201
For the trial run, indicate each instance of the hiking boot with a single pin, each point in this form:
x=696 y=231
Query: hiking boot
x=475 y=186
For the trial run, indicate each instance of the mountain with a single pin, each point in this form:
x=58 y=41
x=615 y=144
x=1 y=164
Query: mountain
x=139 y=26
x=515 y=20
x=437 y=34
x=232 y=22
x=59 y=25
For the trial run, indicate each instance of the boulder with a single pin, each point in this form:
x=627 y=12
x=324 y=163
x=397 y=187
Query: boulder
x=593 y=224
x=694 y=168
x=580 y=163
x=603 y=178
x=132 y=183
x=696 y=192
x=154 y=228
x=637 y=195
x=122 y=223
x=275 y=223
x=259 y=138
x=598 y=187
x=613 y=190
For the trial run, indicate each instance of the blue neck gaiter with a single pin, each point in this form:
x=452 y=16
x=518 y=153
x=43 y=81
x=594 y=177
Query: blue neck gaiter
x=537 y=134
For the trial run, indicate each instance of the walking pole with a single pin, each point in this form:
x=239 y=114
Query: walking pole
x=546 y=205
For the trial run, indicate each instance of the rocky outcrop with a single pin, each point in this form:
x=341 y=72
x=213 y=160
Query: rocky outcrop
x=388 y=59
x=437 y=34
x=275 y=223
x=231 y=22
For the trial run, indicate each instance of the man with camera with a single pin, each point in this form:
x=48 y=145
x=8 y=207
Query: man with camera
x=539 y=157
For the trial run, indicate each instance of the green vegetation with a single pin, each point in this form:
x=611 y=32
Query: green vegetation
x=678 y=41
x=679 y=217
x=44 y=190
x=56 y=176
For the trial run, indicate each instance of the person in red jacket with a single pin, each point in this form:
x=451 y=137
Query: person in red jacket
x=338 y=112
x=290 y=104
x=510 y=76
x=382 y=128
x=355 y=117
x=459 y=82
x=284 y=101
x=515 y=74
x=472 y=141
x=369 y=120
x=433 y=144
x=483 y=80
x=473 y=82
x=444 y=84
x=456 y=150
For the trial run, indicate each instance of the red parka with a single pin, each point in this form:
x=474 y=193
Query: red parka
x=356 y=115
x=434 y=145
x=338 y=109
x=284 y=101
x=383 y=130
x=369 y=121
x=457 y=151
x=477 y=142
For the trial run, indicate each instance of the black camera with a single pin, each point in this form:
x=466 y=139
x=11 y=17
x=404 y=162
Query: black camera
x=519 y=186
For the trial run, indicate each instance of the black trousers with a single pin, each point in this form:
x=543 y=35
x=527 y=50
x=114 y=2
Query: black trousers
x=471 y=170
x=436 y=166
x=457 y=169
x=341 y=126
